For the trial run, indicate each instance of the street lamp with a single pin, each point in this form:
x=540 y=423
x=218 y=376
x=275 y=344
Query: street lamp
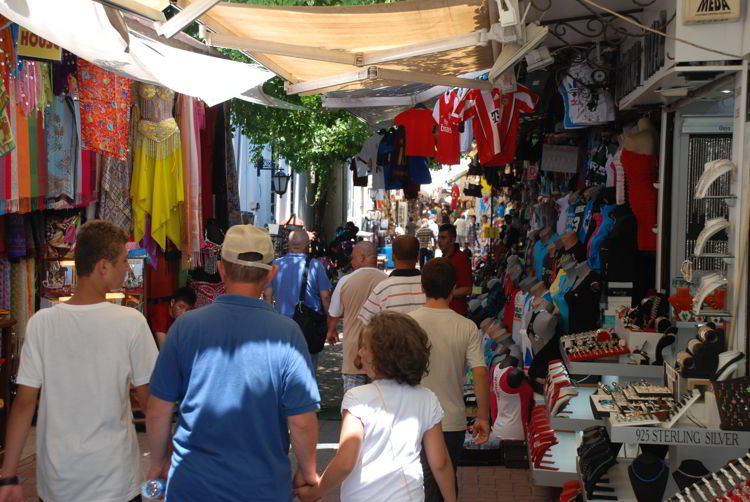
x=279 y=180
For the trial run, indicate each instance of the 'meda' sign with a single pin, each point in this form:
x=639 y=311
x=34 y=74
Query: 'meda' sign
x=710 y=11
x=36 y=47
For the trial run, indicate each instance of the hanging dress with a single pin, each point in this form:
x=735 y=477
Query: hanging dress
x=157 y=184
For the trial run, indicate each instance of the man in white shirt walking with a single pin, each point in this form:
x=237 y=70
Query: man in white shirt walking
x=84 y=355
x=350 y=294
x=402 y=291
x=456 y=344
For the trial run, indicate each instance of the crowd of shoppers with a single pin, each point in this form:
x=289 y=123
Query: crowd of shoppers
x=244 y=380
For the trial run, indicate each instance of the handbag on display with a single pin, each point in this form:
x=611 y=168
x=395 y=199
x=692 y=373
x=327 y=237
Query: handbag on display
x=312 y=323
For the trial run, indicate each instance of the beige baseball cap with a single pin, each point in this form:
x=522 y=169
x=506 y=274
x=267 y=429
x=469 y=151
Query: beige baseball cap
x=247 y=239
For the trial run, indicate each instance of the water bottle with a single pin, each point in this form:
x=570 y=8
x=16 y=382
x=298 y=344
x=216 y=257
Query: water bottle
x=153 y=488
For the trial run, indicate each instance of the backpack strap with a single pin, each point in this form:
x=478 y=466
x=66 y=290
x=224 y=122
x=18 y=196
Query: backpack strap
x=303 y=286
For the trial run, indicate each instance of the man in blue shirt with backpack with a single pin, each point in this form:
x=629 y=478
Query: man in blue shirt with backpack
x=242 y=375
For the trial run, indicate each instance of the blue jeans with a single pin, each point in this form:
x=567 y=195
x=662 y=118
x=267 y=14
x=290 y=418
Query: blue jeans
x=314 y=360
x=425 y=255
x=351 y=381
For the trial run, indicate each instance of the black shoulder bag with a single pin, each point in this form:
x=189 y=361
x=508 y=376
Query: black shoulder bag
x=311 y=322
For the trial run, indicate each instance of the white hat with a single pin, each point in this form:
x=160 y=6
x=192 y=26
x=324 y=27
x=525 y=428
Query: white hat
x=242 y=239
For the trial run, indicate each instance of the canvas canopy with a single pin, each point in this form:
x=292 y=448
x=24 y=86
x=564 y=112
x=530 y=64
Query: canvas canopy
x=385 y=44
x=84 y=28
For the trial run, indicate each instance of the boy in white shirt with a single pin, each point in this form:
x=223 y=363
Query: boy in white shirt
x=84 y=355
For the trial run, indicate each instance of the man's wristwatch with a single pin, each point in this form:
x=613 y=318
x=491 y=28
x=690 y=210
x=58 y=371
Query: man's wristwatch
x=12 y=480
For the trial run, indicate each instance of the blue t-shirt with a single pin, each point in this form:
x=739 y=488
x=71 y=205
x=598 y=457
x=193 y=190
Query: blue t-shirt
x=239 y=370
x=287 y=281
x=540 y=251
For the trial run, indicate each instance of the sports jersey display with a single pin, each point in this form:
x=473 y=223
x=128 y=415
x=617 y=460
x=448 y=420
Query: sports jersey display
x=448 y=147
x=496 y=127
x=419 y=139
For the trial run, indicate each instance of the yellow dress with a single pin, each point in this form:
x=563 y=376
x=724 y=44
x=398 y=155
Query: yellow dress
x=157 y=182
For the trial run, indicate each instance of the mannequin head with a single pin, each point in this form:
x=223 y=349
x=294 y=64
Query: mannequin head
x=568 y=264
x=569 y=240
x=538 y=289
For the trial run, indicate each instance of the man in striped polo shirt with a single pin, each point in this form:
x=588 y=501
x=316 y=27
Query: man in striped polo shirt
x=402 y=291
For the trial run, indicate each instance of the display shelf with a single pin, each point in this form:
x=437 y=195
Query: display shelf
x=619 y=480
x=564 y=454
x=713 y=313
x=577 y=414
x=684 y=433
x=621 y=368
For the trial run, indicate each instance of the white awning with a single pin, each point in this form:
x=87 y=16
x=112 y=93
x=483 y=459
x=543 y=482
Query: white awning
x=83 y=28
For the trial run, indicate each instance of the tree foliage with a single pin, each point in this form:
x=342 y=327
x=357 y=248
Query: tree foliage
x=314 y=139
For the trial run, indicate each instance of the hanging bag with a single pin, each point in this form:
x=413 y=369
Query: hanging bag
x=311 y=322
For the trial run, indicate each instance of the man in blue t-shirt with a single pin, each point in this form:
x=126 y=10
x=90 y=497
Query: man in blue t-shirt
x=288 y=280
x=242 y=375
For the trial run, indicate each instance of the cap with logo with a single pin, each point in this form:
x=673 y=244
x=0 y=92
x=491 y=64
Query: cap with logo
x=241 y=239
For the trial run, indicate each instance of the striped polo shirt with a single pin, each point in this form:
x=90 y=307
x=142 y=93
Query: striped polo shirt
x=401 y=292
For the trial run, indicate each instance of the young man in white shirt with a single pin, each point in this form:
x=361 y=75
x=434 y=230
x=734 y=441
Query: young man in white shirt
x=84 y=355
x=455 y=344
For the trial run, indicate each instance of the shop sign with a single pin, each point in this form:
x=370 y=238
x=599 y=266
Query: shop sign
x=560 y=158
x=35 y=47
x=686 y=437
x=710 y=11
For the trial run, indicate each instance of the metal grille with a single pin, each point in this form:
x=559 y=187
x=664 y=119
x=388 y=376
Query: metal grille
x=705 y=148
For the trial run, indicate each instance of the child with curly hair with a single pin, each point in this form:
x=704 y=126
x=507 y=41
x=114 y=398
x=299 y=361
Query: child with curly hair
x=386 y=423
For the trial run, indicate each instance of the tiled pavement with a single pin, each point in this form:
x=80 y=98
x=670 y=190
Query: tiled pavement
x=476 y=484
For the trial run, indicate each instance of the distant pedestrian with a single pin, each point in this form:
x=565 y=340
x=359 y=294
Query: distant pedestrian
x=461 y=231
x=462 y=264
x=287 y=282
x=350 y=294
x=164 y=314
x=388 y=423
x=411 y=227
x=402 y=291
x=471 y=232
x=242 y=375
x=427 y=242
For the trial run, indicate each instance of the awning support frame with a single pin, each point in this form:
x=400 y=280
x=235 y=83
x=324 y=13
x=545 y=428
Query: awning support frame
x=185 y=17
x=378 y=73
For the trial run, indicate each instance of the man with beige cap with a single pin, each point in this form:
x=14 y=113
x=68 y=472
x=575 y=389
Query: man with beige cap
x=242 y=375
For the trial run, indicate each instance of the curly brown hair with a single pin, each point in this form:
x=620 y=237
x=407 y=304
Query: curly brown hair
x=400 y=347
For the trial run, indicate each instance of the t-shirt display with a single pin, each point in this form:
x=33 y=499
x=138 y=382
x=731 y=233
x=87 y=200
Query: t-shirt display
x=641 y=172
x=418 y=124
x=367 y=157
x=497 y=116
x=85 y=380
x=512 y=406
x=395 y=417
x=448 y=147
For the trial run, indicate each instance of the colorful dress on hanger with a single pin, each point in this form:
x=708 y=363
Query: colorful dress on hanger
x=157 y=183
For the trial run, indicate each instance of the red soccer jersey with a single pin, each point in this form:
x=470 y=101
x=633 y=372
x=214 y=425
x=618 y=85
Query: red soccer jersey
x=498 y=116
x=448 y=147
x=419 y=139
